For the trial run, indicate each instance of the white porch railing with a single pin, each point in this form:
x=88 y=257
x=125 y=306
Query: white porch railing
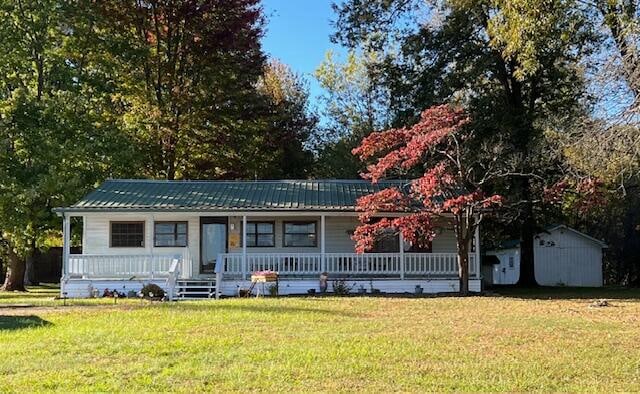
x=347 y=264
x=125 y=266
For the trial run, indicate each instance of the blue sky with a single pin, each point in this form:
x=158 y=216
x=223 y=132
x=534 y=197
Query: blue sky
x=298 y=34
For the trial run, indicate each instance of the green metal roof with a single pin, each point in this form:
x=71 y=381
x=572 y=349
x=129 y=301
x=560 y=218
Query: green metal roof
x=281 y=195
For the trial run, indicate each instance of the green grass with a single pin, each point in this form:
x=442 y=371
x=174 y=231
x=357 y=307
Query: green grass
x=547 y=340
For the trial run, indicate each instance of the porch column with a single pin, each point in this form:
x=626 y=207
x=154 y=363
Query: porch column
x=401 y=238
x=66 y=249
x=323 y=262
x=477 y=251
x=244 y=247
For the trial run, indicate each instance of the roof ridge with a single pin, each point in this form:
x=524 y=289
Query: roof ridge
x=342 y=180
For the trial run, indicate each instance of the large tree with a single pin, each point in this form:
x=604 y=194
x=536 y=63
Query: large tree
x=515 y=64
x=58 y=132
x=451 y=182
x=187 y=76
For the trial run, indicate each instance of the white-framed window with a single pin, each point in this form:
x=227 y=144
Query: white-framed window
x=170 y=234
x=261 y=234
x=300 y=234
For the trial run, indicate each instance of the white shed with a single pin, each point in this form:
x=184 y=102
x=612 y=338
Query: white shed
x=563 y=257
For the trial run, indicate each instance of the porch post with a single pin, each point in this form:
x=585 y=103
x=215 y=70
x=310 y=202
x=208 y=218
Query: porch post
x=477 y=251
x=323 y=262
x=244 y=247
x=401 y=238
x=66 y=249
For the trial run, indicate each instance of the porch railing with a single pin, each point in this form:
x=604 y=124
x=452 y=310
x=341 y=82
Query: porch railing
x=347 y=264
x=125 y=266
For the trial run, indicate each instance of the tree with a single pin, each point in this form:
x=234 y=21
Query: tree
x=58 y=134
x=291 y=125
x=514 y=64
x=452 y=183
x=187 y=76
x=355 y=104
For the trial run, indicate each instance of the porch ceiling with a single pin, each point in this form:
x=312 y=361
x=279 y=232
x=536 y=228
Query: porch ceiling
x=281 y=195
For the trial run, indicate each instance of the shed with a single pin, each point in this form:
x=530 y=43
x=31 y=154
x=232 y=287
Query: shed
x=563 y=256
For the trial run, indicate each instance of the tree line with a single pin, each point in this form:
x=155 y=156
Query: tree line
x=181 y=89
x=160 y=89
x=551 y=88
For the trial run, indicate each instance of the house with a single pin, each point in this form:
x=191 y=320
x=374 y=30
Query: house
x=563 y=256
x=205 y=238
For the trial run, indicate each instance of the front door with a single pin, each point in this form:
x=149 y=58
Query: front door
x=213 y=241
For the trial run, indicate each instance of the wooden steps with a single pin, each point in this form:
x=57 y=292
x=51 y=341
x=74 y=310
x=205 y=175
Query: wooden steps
x=195 y=289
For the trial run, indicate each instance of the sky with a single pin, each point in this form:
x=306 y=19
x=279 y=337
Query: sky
x=297 y=34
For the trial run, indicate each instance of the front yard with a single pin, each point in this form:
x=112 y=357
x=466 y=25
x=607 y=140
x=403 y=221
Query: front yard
x=552 y=341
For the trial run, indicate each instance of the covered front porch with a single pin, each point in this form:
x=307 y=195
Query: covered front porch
x=220 y=253
x=298 y=272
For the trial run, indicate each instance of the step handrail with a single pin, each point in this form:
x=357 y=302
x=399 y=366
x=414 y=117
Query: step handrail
x=174 y=273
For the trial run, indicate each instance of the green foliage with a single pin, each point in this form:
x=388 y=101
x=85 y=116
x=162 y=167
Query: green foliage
x=189 y=88
x=355 y=104
x=291 y=123
x=57 y=130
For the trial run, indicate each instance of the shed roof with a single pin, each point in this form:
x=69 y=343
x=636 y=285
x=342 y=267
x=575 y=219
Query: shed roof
x=277 y=195
x=555 y=227
x=515 y=243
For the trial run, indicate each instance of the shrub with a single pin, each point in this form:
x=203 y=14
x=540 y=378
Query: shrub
x=341 y=287
x=151 y=290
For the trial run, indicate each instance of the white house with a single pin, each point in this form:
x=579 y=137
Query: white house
x=562 y=257
x=205 y=238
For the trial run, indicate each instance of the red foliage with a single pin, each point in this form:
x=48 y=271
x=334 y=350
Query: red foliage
x=582 y=195
x=442 y=188
x=387 y=200
x=405 y=148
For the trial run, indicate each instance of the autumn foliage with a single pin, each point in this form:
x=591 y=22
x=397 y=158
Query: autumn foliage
x=445 y=188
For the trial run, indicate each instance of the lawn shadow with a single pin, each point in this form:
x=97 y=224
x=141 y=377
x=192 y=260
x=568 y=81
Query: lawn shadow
x=564 y=293
x=20 y=322
x=262 y=307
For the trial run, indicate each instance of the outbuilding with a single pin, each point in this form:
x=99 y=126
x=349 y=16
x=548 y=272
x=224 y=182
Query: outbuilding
x=563 y=256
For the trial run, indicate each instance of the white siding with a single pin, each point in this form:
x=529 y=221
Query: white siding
x=564 y=258
x=230 y=288
x=81 y=288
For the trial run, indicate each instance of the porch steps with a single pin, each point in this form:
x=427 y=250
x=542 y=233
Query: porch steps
x=195 y=289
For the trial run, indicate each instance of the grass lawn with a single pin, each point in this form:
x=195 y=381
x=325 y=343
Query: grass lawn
x=547 y=340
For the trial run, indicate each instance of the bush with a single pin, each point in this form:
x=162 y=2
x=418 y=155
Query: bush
x=341 y=287
x=151 y=290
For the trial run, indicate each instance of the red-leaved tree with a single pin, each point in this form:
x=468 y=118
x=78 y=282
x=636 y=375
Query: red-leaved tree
x=450 y=185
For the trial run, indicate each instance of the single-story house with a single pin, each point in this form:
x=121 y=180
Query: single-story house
x=205 y=238
x=563 y=256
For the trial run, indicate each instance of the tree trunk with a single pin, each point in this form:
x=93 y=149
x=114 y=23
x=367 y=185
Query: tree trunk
x=527 y=232
x=463 y=269
x=14 y=279
x=29 y=272
x=631 y=244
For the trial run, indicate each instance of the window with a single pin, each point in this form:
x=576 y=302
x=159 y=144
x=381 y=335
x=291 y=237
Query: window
x=170 y=234
x=300 y=234
x=261 y=234
x=127 y=234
